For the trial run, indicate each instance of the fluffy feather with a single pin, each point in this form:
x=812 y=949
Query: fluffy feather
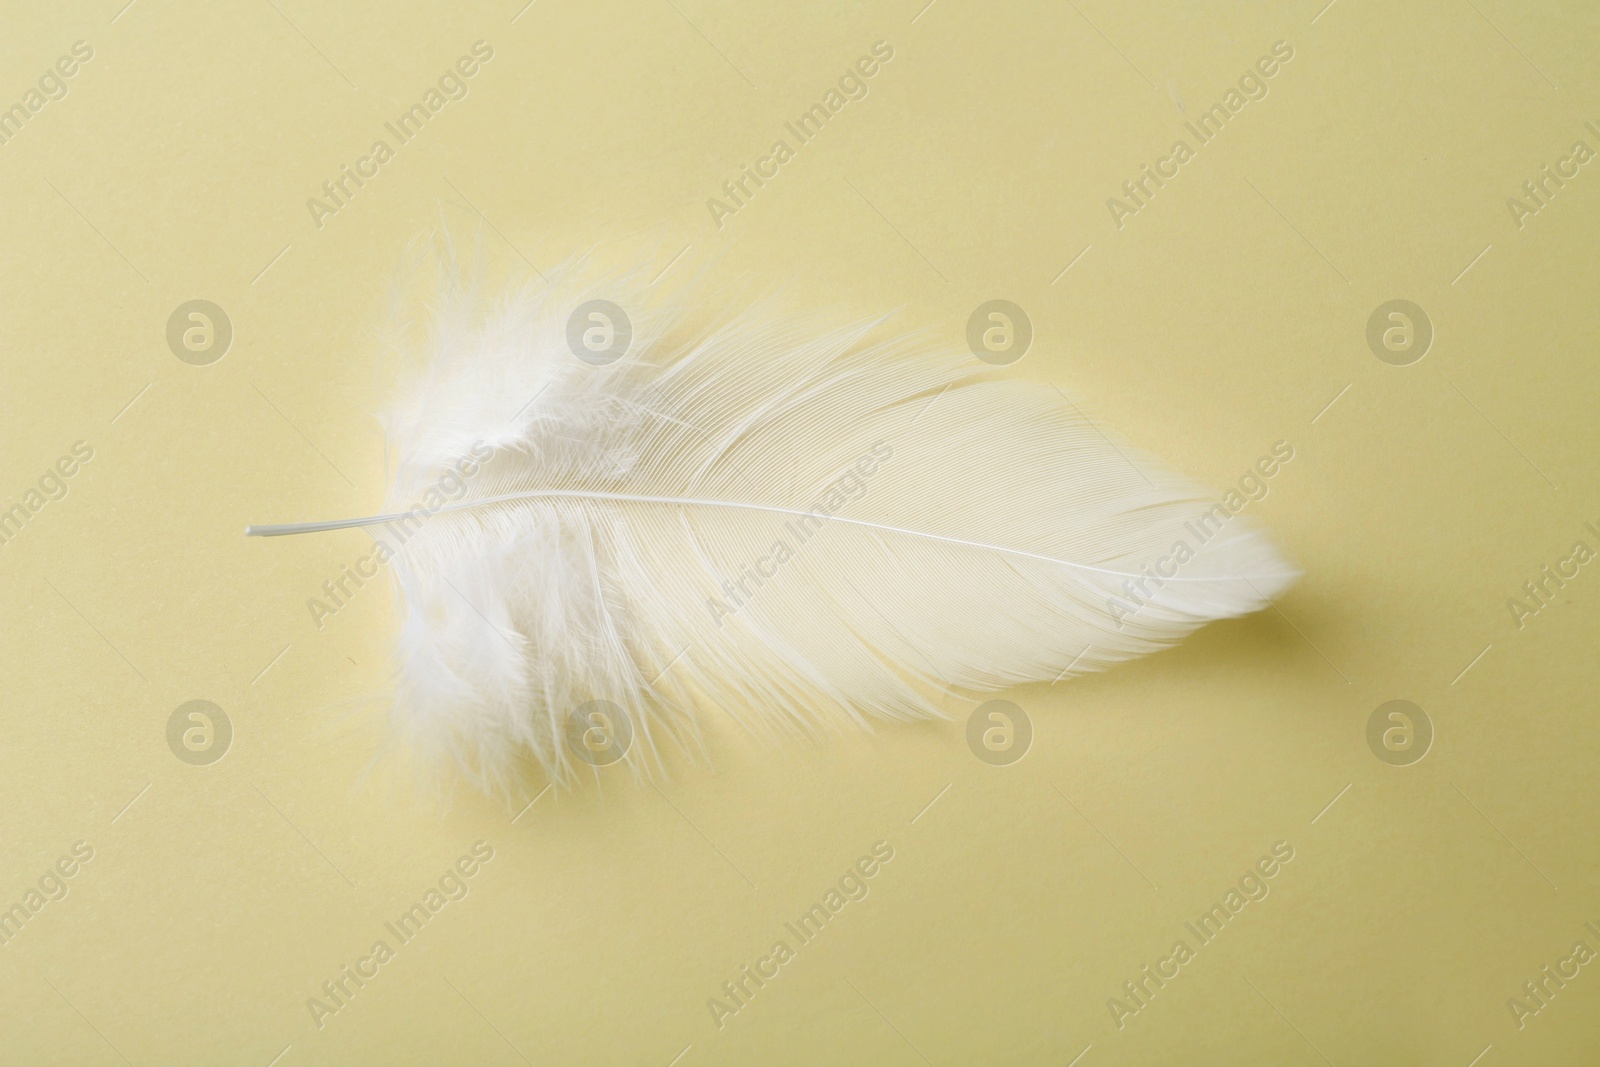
x=802 y=525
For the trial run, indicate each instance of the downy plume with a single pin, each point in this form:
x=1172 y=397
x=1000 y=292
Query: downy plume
x=803 y=524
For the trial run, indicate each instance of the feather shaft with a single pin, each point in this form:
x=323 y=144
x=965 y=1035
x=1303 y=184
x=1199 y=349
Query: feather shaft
x=280 y=530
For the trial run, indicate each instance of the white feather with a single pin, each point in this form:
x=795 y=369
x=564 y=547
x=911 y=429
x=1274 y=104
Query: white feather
x=657 y=532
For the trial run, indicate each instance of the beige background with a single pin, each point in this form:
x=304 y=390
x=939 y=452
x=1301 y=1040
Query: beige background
x=1224 y=317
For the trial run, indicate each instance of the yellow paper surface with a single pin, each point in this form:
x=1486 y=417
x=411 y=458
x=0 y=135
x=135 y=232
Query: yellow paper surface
x=1218 y=314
